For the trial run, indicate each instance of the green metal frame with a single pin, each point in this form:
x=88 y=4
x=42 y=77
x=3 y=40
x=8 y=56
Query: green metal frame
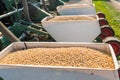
x=37 y=14
x=18 y=28
x=19 y=25
x=54 y=4
x=8 y=5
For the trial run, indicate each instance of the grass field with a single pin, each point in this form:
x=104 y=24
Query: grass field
x=112 y=15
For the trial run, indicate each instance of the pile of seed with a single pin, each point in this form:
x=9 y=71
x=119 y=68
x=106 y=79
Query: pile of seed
x=71 y=18
x=69 y=56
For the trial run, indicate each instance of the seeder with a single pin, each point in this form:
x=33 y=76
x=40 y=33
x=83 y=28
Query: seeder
x=55 y=21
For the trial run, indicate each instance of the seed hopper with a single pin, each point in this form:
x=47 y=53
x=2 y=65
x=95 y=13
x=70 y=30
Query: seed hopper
x=31 y=72
x=28 y=21
x=77 y=9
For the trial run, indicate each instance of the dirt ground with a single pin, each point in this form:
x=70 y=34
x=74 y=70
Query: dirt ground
x=115 y=4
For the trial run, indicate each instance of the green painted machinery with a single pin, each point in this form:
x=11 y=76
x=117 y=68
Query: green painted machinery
x=22 y=19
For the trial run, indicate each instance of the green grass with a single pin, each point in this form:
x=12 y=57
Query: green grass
x=112 y=15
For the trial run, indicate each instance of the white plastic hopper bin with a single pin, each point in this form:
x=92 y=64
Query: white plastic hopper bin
x=73 y=31
x=78 y=2
x=77 y=9
x=34 y=72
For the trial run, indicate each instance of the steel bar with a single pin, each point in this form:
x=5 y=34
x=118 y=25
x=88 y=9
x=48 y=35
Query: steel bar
x=10 y=13
x=5 y=31
x=26 y=10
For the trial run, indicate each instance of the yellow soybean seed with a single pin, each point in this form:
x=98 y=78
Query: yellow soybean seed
x=69 y=56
